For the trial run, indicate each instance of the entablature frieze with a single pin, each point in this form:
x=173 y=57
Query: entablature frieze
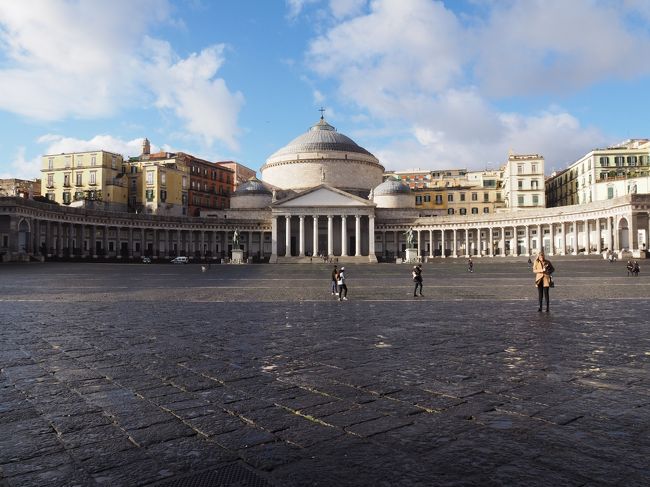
x=324 y=212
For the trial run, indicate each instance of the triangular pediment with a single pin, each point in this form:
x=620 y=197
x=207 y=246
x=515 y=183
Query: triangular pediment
x=322 y=196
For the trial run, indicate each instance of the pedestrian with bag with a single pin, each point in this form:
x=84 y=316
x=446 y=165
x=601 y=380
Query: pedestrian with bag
x=543 y=270
x=343 y=288
x=335 y=278
x=417 y=278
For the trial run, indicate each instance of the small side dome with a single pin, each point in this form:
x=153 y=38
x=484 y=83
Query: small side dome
x=252 y=186
x=251 y=194
x=393 y=193
x=391 y=186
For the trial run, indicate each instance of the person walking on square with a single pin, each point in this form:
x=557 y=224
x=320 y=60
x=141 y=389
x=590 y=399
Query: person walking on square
x=417 y=278
x=543 y=280
x=630 y=268
x=470 y=265
x=636 y=268
x=335 y=278
x=343 y=288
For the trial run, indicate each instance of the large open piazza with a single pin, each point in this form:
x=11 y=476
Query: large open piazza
x=132 y=374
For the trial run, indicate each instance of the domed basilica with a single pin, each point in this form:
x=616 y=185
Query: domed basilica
x=323 y=195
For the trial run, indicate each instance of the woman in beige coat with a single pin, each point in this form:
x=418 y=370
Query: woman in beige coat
x=543 y=270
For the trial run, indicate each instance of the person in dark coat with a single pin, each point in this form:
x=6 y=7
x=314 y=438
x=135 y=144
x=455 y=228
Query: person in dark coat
x=417 y=278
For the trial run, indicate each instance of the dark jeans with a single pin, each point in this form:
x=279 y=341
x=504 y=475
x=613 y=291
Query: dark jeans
x=334 y=286
x=343 y=287
x=418 y=284
x=543 y=293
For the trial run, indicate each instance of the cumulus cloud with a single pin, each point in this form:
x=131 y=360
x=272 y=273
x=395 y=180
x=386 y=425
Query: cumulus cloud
x=23 y=168
x=438 y=78
x=91 y=59
x=57 y=144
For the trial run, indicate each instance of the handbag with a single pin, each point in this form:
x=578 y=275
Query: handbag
x=552 y=282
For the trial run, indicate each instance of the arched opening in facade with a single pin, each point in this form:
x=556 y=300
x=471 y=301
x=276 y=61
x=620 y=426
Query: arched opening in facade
x=23 y=236
x=623 y=234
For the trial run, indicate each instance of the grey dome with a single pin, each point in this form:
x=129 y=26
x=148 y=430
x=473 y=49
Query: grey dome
x=252 y=186
x=391 y=186
x=320 y=137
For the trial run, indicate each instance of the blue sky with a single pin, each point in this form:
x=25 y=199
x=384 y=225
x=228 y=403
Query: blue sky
x=420 y=83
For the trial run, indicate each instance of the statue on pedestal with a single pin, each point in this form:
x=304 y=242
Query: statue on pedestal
x=410 y=238
x=235 y=239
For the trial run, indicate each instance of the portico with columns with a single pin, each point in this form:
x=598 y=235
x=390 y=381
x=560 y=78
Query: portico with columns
x=323 y=221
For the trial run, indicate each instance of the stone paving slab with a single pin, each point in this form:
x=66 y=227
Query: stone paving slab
x=119 y=374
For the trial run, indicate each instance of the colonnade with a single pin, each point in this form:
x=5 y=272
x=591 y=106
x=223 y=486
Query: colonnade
x=328 y=234
x=570 y=237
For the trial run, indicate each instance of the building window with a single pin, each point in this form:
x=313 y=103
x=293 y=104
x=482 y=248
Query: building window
x=631 y=160
x=418 y=200
x=474 y=211
x=486 y=209
x=134 y=169
x=93 y=161
x=520 y=169
x=93 y=177
x=50 y=180
x=604 y=161
x=427 y=198
x=163 y=179
x=66 y=179
x=134 y=184
x=50 y=164
x=450 y=198
x=149 y=178
x=535 y=200
x=50 y=196
x=66 y=197
x=533 y=168
x=610 y=192
x=79 y=180
x=113 y=162
x=520 y=200
x=163 y=195
x=486 y=197
x=450 y=211
x=463 y=211
x=67 y=161
x=520 y=184
x=619 y=160
x=534 y=184
x=78 y=195
x=438 y=199
x=149 y=195
x=462 y=196
x=79 y=161
x=474 y=196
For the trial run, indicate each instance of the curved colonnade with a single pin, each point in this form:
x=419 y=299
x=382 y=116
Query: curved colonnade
x=29 y=228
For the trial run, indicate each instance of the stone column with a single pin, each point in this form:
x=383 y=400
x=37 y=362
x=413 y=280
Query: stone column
x=467 y=249
x=587 y=239
x=490 y=242
x=396 y=242
x=616 y=244
x=431 y=243
x=443 y=254
x=540 y=239
x=287 y=238
x=330 y=235
x=455 y=252
x=503 y=241
x=371 y=237
x=357 y=236
x=344 y=236
x=551 y=233
x=563 y=228
x=214 y=241
x=71 y=229
x=274 y=239
x=301 y=230
x=608 y=229
x=48 y=238
x=599 y=245
x=314 y=249
x=575 y=237
x=631 y=237
x=105 y=242
x=92 y=241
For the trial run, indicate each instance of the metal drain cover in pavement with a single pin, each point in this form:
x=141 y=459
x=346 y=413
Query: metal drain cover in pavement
x=234 y=475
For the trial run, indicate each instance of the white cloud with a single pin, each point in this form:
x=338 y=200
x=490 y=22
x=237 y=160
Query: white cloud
x=92 y=59
x=57 y=144
x=296 y=6
x=417 y=67
x=23 y=168
x=346 y=8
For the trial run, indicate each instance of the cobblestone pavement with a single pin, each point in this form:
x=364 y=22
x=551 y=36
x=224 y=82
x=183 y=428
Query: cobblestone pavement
x=126 y=375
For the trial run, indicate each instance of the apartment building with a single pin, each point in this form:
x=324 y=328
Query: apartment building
x=92 y=179
x=523 y=182
x=602 y=174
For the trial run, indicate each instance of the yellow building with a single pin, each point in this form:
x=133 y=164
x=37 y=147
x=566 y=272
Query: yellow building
x=158 y=187
x=93 y=179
